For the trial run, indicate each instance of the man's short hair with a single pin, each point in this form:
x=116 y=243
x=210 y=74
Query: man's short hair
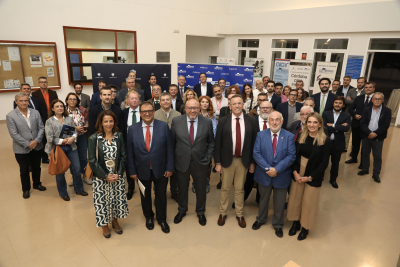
x=336 y=81
x=347 y=76
x=102 y=81
x=22 y=84
x=270 y=81
x=112 y=86
x=202 y=73
x=267 y=102
x=339 y=98
x=216 y=85
x=132 y=71
x=278 y=84
x=130 y=78
x=379 y=93
x=145 y=103
x=308 y=107
x=365 y=79
x=165 y=94
x=300 y=81
x=262 y=94
x=42 y=77
x=152 y=75
x=309 y=99
x=371 y=82
x=173 y=85
x=265 y=77
x=221 y=79
x=324 y=79
x=181 y=76
x=293 y=90
x=78 y=84
x=105 y=88
x=19 y=95
x=236 y=96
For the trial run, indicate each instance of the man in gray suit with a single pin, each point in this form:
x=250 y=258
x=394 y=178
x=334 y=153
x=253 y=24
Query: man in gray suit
x=85 y=99
x=130 y=83
x=27 y=130
x=194 y=146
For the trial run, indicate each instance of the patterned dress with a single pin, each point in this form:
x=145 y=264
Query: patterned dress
x=110 y=200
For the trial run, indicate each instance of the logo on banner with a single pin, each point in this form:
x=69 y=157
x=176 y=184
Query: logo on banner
x=196 y=72
x=165 y=76
x=190 y=77
x=239 y=84
x=112 y=76
x=325 y=71
x=247 y=80
x=189 y=67
x=138 y=79
x=190 y=86
x=182 y=71
x=203 y=67
x=218 y=68
x=99 y=75
x=224 y=73
x=210 y=72
x=232 y=68
x=247 y=69
x=239 y=74
x=281 y=64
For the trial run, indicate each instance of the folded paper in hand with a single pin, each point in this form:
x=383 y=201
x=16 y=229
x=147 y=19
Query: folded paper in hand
x=141 y=186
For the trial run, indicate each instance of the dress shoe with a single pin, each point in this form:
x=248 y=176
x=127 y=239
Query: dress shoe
x=360 y=167
x=334 y=184
x=40 y=188
x=351 y=161
x=174 y=196
x=164 y=227
x=376 y=178
x=256 y=225
x=233 y=205
x=45 y=161
x=279 y=232
x=202 y=220
x=178 y=217
x=129 y=195
x=241 y=222
x=66 y=198
x=221 y=219
x=295 y=227
x=150 y=223
x=363 y=172
x=303 y=234
x=83 y=193
x=26 y=194
x=219 y=185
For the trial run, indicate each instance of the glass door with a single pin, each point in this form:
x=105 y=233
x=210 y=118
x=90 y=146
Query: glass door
x=275 y=55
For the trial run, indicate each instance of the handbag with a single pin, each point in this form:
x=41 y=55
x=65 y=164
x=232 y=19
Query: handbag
x=89 y=171
x=59 y=162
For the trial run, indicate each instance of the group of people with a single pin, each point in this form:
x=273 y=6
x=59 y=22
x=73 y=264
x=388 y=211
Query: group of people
x=267 y=137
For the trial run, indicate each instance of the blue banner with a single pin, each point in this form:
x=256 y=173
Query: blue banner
x=234 y=75
x=354 y=66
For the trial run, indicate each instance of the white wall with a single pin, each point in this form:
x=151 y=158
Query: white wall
x=198 y=49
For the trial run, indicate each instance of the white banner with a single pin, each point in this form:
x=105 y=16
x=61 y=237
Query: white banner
x=257 y=63
x=281 y=71
x=226 y=60
x=324 y=70
x=300 y=70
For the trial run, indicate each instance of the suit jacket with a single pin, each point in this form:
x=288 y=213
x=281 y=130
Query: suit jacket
x=224 y=103
x=20 y=132
x=161 y=116
x=341 y=90
x=328 y=103
x=223 y=141
x=275 y=100
x=38 y=107
x=224 y=111
x=294 y=128
x=184 y=90
x=202 y=149
x=337 y=93
x=296 y=116
x=124 y=123
x=94 y=114
x=284 y=157
x=197 y=89
x=137 y=85
x=96 y=99
x=357 y=108
x=147 y=94
x=383 y=123
x=121 y=95
x=283 y=109
x=339 y=129
x=52 y=95
x=160 y=157
x=85 y=101
x=156 y=106
x=352 y=93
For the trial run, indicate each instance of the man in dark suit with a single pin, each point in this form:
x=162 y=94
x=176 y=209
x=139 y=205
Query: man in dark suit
x=96 y=96
x=34 y=103
x=203 y=88
x=300 y=84
x=234 y=142
x=335 y=88
x=148 y=92
x=131 y=74
x=298 y=126
x=289 y=108
x=356 y=111
x=45 y=96
x=181 y=87
x=344 y=89
x=374 y=124
x=194 y=146
x=85 y=99
x=261 y=97
x=323 y=100
x=130 y=83
x=337 y=123
x=130 y=116
x=105 y=104
x=155 y=100
x=274 y=152
x=272 y=97
x=175 y=97
x=150 y=157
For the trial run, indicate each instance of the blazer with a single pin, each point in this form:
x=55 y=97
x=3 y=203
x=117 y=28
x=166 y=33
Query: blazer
x=161 y=116
x=161 y=155
x=285 y=155
x=337 y=93
x=38 y=106
x=94 y=113
x=97 y=163
x=52 y=95
x=383 y=123
x=340 y=90
x=137 y=85
x=328 y=103
x=197 y=89
x=85 y=101
x=53 y=129
x=317 y=163
x=156 y=106
x=275 y=100
x=121 y=95
x=224 y=103
x=294 y=128
x=283 y=109
x=352 y=93
x=184 y=90
x=296 y=116
x=124 y=123
x=338 y=130
x=357 y=108
x=20 y=132
x=178 y=103
x=147 y=94
x=202 y=149
x=96 y=99
x=223 y=141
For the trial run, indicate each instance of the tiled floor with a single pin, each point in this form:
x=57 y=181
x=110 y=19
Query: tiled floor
x=358 y=225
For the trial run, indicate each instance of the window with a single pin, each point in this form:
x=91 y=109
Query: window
x=248 y=43
x=331 y=43
x=384 y=44
x=283 y=49
x=247 y=49
x=85 y=46
x=285 y=43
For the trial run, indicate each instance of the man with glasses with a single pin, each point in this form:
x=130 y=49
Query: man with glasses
x=256 y=110
x=131 y=74
x=374 y=124
x=130 y=83
x=155 y=100
x=289 y=108
x=298 y=126
x=84 y=98
x=309 y=101
x=45 y=96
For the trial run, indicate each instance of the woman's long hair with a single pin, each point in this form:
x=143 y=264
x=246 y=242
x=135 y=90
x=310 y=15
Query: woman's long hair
x=321 y=137
x=99 y=122
x=244 y=97
x=210 y=109
x=185 y=95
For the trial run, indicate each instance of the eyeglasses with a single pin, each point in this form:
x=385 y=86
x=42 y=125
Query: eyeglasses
x=193 y=109
x=147 y=111
x=265 y=108
x=156 y=90
x=377 y=99
x=114 y=92
x=43 y=82
x=302 y=114
x=293 y=95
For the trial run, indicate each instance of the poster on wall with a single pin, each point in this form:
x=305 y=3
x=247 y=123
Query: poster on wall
x=325 y=70
x=300 y=70
x=281 y=71
x=35 y=60
x=48 y=59
x=354 y=66
x=226 y=60
x=257 y=63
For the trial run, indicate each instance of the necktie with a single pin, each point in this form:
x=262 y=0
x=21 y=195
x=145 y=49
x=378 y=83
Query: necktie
x=191 y=133
x=297 y=135
x=181 y=92
x=148 y=138
x=134 y=117
x=321 y=110
x=274 y=144
x=265 y=127
x=366 y=101
x=238 y=146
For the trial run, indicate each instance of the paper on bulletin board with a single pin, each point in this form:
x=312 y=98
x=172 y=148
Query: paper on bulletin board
x=13 y=54
x=36 y=61
x=6 y=65
x=50 y=72
x=48 y=59
x=0 y=62
x=16 y=83
x=29 y=81
x=8 y=83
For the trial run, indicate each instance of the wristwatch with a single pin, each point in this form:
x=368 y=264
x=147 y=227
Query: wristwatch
x=268 y=169
x=309 y=178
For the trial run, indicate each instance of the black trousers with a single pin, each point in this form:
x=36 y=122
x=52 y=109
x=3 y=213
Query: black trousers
x=335 y=159
x=160 y=200
x=173 y=183
x=32 y=159
x=376 y=146
x=248 y=187
x=355 y=142
x=200 y=183
x=131 y=182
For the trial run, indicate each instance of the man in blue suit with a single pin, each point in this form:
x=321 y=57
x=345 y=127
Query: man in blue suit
x=151 y=159
x=274 y=152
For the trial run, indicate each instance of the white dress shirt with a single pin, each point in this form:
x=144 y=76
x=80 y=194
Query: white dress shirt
x=241 y=122
x=261 y=123
x=345 y=90
x=145 y=130
x=335 y=117
x=359 y=92
x=173 y=103
x=130 y=114
x=203 y=89
x=26 y=117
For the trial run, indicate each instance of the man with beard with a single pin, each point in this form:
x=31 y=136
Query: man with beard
x=148 y=91
x=354 y=92
x=335 y=88
x=256 y=110
x=278 y=92
x=218 y=100
x=345 y=88
x=338 y=123
x=222 y=84
x=85 y=99
x=323 y=100
x=272 y=97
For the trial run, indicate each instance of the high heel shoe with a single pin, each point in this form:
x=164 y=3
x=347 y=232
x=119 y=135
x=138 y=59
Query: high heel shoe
x=107 y=235
x=119 y=231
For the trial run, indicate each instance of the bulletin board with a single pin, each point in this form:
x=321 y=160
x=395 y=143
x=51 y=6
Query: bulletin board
x=25 y=62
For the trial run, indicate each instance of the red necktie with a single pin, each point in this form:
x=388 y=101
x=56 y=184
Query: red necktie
x=148 y=138
x=295 y=138
x=274 y=144
x=238 y=146
x=265 y=127
x=191 y=133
